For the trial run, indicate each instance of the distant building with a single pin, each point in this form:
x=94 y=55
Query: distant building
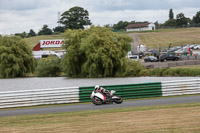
x=140 y=27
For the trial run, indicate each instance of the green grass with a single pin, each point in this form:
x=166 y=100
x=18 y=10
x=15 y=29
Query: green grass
x=175 y=37
x=168 y=118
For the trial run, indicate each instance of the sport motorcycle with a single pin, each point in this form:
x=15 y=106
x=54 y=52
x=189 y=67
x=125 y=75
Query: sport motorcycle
x=99 y=98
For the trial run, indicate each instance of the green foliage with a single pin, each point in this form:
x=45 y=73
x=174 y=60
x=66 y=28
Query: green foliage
x=48 y=67
x=134 y=68
x=158 y=71
x=175 y=72
x=171 y=14
x=120 y=25
x=16 y=58
x=96 y=52
x=22 y=35
x=144 y=72
x=31 y=33
x=75 y=18
x=45 y=30
x=181 y=20
x=59 y=29
x=189 y=72
x=170 y=22
x=196 y=18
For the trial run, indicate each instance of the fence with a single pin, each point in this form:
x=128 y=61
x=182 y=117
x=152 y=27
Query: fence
x=82 y=94
x=195 y=57
x=127 y=91
x=39 y=97
x=181 y=87
x=151 y=65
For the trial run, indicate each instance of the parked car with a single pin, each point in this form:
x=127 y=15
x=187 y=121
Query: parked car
x=134 y=57
x=197 y=47
x=166 y=57
x=184 y=51
x=173 y=49
x=150 y=59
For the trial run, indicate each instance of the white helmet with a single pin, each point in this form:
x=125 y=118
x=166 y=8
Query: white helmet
x=96 y=87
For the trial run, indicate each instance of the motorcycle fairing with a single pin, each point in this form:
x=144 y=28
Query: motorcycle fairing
x=101 y=96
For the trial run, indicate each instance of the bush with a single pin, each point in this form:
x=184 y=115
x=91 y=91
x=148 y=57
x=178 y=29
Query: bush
x=189 y=72
x=16 y=58
x=175 y=72
x=171 y=72
x=144 y=72
x=158 y=71
x=48 y=67
x=134 y=68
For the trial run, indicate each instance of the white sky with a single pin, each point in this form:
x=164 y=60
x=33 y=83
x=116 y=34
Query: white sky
x=17 y=16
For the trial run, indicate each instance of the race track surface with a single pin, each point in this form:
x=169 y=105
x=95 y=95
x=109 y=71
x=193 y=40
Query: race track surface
x=82 y=107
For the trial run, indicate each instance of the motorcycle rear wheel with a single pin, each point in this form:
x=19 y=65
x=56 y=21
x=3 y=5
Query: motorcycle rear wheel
x=119 y=100
x=97 y=101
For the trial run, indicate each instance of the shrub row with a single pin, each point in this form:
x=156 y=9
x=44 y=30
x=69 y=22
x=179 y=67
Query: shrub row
x=174 y=72
x=48 y=67
x=51 y=66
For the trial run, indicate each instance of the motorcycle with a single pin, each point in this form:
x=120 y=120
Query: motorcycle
x=99 y=98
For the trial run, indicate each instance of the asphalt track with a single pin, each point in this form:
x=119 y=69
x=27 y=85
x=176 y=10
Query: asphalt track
x=83 y=107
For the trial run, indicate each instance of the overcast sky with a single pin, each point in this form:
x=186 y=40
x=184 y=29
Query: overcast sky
x=17 y=16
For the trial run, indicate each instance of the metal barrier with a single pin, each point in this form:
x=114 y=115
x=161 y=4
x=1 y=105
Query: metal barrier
x=180 y=87
x=82 y=94
x=127 y=91
x=39 y=97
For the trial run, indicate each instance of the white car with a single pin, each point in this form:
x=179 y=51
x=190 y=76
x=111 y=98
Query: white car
x=197 y=47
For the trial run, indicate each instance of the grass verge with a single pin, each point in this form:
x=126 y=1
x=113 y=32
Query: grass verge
x=175 y=37
x=165 y=118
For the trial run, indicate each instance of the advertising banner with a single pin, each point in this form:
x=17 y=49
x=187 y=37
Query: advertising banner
x=51 y=43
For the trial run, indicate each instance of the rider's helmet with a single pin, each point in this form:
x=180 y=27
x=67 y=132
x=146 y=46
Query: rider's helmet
x=96 y=88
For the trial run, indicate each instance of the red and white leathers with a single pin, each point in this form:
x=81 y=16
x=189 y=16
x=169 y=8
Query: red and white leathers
x=103 y=91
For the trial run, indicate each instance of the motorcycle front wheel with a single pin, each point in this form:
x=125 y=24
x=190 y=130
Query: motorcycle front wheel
x=97 y=101
x=118 y=100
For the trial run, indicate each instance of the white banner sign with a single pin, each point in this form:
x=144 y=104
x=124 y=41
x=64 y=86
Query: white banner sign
x=51 y=43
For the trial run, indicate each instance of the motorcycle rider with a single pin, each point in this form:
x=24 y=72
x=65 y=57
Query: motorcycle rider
x=102 y=90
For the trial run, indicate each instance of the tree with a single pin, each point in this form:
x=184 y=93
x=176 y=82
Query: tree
x=31 y=33
x=45 y=30
x=96 y=52
x=170 y=22
x=157 y=24
x=171 y=14
x=48 y=67
x=22 y=35
x=120 y=25
x=108 y=25
x=181 y=20
x=196 y=18
x=59 y=29
x=15 y=57
x=75 y=18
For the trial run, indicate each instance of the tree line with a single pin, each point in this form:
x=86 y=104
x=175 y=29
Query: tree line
x=78 y=17
x=180 y=21
x=74 y=18
x=96 y=52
